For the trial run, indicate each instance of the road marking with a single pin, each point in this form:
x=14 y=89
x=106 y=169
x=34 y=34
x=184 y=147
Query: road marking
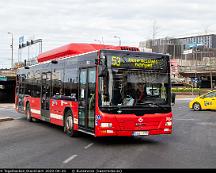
x=207 y=123
x=89 y=145
x=184 y=119
x=70 y=158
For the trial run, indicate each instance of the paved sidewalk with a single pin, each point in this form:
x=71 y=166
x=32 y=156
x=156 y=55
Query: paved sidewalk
x=7 y=105
x=8 y=112
x=185 y=97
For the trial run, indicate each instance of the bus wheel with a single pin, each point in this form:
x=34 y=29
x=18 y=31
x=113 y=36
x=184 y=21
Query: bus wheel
x=69 y=124
x=28 y=113
x=196 y=106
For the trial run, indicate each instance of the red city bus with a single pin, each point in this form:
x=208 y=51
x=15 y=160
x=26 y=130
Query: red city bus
x=101 y=90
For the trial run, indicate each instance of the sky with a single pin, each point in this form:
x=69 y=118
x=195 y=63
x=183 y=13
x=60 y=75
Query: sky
x=59 y=22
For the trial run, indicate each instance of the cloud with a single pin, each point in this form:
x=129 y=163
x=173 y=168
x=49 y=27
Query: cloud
x=60 y=22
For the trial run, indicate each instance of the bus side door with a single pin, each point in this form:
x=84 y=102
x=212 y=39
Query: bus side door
x=45 y=95
x=87 y=82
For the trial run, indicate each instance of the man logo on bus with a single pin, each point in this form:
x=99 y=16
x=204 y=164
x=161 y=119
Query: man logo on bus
x=140 y=119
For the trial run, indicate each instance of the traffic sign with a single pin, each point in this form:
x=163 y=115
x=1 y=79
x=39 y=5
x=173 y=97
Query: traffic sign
x=21 y=40
x=195 y=80
x=185 y=52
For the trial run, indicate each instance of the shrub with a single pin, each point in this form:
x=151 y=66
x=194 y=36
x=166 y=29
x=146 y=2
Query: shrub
x=186 y=89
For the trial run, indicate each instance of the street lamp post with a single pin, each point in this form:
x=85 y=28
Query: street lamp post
x=119 y=39
x=211 y=80
x=11 y=48
x=97 y=41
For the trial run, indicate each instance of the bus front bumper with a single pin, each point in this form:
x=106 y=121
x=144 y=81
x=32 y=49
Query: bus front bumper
x=134 y=133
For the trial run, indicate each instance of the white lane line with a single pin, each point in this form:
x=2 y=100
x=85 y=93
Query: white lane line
x=70 y=158
x=89 y=145
x=185 y=119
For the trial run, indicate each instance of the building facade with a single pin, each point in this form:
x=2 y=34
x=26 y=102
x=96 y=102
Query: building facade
x=192 y=57
x=176 y=46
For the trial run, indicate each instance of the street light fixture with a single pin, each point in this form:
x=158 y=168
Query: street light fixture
x=119 y=39
x=11 y=48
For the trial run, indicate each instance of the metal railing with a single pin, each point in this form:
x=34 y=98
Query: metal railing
x=200 y=68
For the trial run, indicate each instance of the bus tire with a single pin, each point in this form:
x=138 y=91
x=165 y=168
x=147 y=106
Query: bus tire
x=28 y=113
x=69 y=124
x=197 y=106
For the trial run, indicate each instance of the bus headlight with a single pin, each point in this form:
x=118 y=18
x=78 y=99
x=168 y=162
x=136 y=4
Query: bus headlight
x=106 y=125
x=168 y=123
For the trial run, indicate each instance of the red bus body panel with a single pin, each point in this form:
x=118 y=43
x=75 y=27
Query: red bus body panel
x=126 y=124
x=57 y=108
x=77 y=49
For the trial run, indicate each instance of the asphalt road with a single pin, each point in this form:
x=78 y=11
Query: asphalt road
x=41 y=145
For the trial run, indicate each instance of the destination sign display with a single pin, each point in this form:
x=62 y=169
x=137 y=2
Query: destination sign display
x=139 y=62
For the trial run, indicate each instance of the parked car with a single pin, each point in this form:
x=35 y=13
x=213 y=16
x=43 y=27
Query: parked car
x=204 y=102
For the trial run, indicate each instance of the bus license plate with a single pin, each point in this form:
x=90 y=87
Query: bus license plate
x=141 y=133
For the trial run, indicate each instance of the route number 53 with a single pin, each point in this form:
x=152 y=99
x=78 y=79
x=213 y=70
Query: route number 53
x=116 y=61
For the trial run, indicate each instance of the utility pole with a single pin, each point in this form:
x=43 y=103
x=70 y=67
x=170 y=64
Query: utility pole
x=97 y=41
x=174 y=52
x=154 y=32
x=11 y=48
x=211 y=82
x=211 y=78
x=119 y=39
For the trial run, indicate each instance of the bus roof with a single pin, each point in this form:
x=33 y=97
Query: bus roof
x=76 y=49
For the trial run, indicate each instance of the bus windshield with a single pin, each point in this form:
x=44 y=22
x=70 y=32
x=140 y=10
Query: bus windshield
x=132 y=81
x=123 y=87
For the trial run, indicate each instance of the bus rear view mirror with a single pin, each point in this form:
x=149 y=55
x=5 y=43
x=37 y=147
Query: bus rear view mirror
x=97 y=61
x=54 y=62
x=103 y=72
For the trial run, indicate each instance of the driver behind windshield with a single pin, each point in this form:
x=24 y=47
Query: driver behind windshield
x=129 y=90
x=141 y=92
x=138 y=95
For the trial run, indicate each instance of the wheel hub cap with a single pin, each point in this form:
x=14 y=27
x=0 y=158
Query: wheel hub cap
x=69 y=123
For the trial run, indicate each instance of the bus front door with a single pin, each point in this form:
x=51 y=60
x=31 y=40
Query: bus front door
x=45 y=96
x=87 y=82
